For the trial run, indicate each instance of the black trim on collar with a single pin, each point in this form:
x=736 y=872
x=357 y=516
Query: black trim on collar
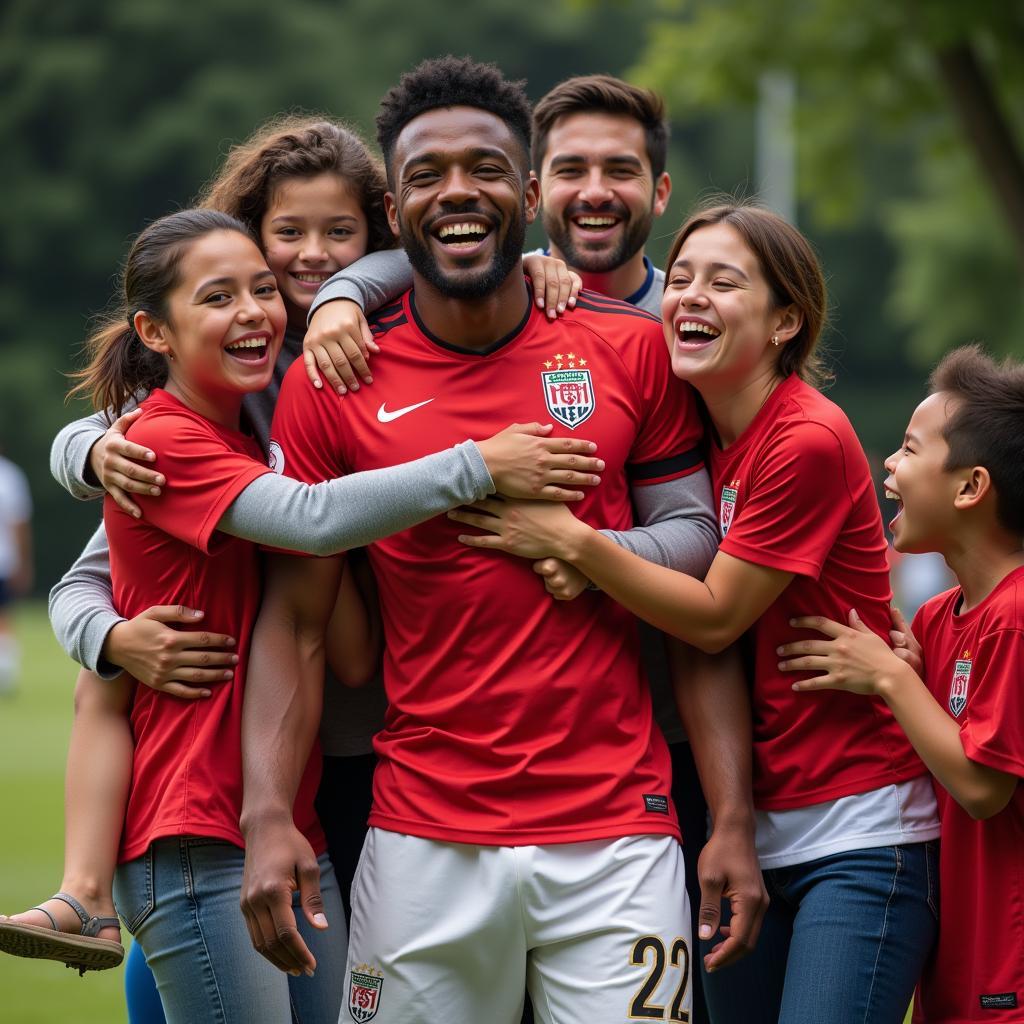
x=636 y=297
x=491 y=349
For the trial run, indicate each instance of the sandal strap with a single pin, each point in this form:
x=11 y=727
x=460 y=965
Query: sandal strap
x=91 y=926
x=53 y=920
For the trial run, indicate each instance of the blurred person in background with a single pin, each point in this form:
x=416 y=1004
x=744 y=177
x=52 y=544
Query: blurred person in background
x=15 y=562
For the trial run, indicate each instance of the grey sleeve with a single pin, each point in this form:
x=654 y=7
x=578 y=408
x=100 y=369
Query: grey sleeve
x=82 y=607
x=355 y=510
x=678 y=528
x=69 y=453
x=371 y=282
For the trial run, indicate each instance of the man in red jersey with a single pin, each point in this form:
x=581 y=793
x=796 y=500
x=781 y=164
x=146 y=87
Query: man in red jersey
x=521 y=819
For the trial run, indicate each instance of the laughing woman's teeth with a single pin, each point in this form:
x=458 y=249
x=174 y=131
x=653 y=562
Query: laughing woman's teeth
x=691 y=327
x=892 y=495
x=248 y=343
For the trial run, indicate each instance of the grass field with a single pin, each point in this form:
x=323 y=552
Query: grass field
x=34 y=725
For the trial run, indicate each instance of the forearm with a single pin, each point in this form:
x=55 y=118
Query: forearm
x=714 y=705
x=675 y=603
x=82 y=611
x=676 y=526
x=356 y=510
x=980 y=790
x=281 y=712
x=69 y=454
x=371 y=282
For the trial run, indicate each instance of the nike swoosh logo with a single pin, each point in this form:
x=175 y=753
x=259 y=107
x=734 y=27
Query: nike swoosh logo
x=386 y=417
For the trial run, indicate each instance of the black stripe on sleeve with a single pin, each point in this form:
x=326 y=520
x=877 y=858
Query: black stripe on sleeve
x=587 y=300
x=665 y=469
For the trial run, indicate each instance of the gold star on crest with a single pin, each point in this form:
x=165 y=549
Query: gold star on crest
x=583 y=362
x=548 y=364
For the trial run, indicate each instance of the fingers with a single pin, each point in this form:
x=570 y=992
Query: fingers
x=309 y=360
x=309 y=896
x=487 y=541
x=810 y=663
x=334 y=367
x=536 y=429
x=579 y=463
x=354 y=365
x=369 y=345
x=570 y=446
x=821 y=647
x=553 y=304
x=551 y=492
x=181 y=690
x=125 y=503
x=575 y=287
x=741 y=937
x=125 y=420
x=482 y=522
x=820 y=624
x=710 y=914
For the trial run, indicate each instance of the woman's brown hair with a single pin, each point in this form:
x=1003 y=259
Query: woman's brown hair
x=120 y=367
x=789 y=265
x=299 y=147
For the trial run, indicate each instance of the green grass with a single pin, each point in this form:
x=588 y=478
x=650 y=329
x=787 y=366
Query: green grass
x=34 y=726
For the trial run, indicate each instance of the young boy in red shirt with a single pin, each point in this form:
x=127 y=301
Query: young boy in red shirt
x=959 y=481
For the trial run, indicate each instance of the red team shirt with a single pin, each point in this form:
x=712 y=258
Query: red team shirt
x=795 y=494
x=187 y=768
x=513 y=718
x=974 y=667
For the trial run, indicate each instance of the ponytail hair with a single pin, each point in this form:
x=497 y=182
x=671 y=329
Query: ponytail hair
x=120 y=367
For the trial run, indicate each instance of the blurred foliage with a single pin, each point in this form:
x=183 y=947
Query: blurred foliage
x=880 y=152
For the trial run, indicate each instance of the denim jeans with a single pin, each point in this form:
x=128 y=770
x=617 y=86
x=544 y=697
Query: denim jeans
x=844 y=941
x=180 y=900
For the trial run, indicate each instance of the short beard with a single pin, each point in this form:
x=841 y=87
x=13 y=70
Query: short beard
x=634 y=238
x=477 y=285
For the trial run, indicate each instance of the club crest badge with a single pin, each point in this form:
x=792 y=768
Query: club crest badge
x=961 y=681
x=275 y=458
x=364 y=988
x=727 y=505
x=568 y=389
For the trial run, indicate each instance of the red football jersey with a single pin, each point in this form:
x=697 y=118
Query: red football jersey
x=513 y=718
x=974 y=667
x=795 y=494
x=187 y=769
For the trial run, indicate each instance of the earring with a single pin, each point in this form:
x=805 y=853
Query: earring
x=775 y=340
x=170 y=355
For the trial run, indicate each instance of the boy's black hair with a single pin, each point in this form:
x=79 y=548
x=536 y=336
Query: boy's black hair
x=987 y=426
x=453 y=82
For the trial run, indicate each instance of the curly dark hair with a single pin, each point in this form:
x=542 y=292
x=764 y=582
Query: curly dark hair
x=453 y=82
x=299 y=146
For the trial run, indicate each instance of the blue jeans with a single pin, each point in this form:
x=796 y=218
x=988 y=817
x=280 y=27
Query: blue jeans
x=180 y=900
x=844 y=941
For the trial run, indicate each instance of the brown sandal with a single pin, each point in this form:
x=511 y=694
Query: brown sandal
x=85 y=951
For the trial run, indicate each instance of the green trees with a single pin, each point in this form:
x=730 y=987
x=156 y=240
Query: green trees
x=909 y=121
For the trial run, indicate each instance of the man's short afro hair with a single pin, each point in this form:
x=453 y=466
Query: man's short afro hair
x=453 y=82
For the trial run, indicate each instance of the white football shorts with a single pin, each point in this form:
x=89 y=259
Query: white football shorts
x=599 y=932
